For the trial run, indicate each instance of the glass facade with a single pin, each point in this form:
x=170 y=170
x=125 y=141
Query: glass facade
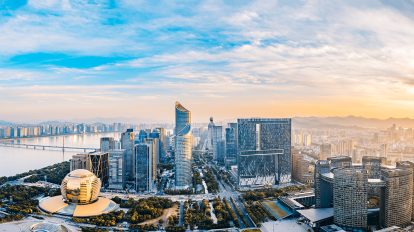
x=183 y=143
x=264 y=151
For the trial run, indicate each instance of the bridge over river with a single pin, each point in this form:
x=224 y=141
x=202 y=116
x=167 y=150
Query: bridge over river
x=47 y=147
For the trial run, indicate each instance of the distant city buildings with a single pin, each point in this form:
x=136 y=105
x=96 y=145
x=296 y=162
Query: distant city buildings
x=49 y=129
x=183 y=150
x=264 y=151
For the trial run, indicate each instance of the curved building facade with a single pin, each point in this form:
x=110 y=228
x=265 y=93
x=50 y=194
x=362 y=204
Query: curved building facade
x=183 y=143
x=350 y=198
x=80 y=187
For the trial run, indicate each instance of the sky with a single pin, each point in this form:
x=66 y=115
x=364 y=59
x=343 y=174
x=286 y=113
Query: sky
x=132 y=59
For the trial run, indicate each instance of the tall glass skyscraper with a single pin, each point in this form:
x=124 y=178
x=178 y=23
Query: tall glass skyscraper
x=264 y=151
x=183 y=144
x=127 y=143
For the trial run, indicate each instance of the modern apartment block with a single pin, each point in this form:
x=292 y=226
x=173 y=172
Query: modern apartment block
x=365 y=195
x=397 y=205
x=264 y=151
x=350 y=198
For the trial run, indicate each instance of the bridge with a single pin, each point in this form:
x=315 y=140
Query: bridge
x=48 y=147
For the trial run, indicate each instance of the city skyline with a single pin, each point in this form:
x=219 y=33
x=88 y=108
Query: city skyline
x=74 y=60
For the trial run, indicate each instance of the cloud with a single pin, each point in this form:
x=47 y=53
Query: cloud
x=213 y=52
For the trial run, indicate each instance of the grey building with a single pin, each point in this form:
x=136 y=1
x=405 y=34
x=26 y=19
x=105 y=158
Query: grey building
x=396 y=206
x=231 y=144
x=143 y=167
x=264 y=151
x=107 y=143
x=78 y=161
x=127 y=143
x=183 y=147
x=116 y=169
x=350 y=198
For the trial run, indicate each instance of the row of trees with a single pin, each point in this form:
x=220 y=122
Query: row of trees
x=261 y=194
x=145 y=209
x=211 y=181
x=109 y=219
x=232 y=213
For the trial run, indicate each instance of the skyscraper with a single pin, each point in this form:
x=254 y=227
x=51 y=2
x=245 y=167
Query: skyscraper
x=264 y=151
x=217 y=138
x=143 y=167
x=127 y=143
x=231 y=144
x=116 y=169
x=98 y=163
x=183 y=155
x=107 y=143
x=163 y=144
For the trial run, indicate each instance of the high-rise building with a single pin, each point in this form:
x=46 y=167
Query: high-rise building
x=127 y=143
x=183 y=143
x=408 y=165
x=78 y=161
x=107 y=143
x=144 y=172
x=323 y=189
x=163 y=144
x=116 y=169
x=98 y=163
x=350 y=198
x=301 y=168
x=231 y=144
x=217 y=138
x=396 y=207
x=264 y=151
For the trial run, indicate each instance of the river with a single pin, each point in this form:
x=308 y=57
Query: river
x=18 y=160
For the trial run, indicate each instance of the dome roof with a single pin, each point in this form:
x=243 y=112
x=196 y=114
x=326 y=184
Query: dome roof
x=80 y=173
x=80 y=187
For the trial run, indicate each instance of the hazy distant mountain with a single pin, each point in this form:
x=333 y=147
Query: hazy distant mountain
x=4 y=123
x=350 y=121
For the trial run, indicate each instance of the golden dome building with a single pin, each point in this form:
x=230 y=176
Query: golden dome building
x=80 y=197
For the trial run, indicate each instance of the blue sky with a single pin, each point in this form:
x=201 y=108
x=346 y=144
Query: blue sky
x=62 y=59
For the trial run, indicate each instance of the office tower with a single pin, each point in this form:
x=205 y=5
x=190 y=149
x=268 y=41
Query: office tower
x=78 y=161
x=116 y=169
x=217 y=137
x=323 y=189
x=340 y=161
x=183 y=155
x=408 y=165
x=155 y=152
x=163 y=144
x=107 y=143
x=142 y=135
x=127 y=143
x=264 y=155
x=98 y=163
x=300 y=168
x=231 y=144
x=350 y=198
x=144 y=174
x=397 y=196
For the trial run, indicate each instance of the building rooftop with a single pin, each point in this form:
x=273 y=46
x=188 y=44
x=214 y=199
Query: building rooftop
x=315 y=215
